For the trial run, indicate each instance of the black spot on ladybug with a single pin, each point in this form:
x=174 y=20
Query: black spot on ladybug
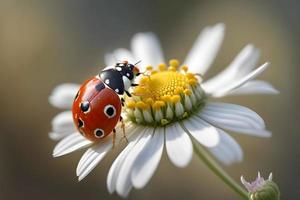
x=85 y=106
x=99 y=87
x=99 y=133
x=109 y=111
x=80 y=123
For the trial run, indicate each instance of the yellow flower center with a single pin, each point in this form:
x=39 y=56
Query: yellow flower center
x=165 y=95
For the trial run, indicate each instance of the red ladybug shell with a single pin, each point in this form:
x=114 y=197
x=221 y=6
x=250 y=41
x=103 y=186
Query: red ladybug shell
x=96 y=109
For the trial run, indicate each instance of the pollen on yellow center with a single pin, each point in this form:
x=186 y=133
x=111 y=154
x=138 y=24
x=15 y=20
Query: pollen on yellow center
x=174 y=63
x=164 y=85
x=149 y=68
x=158 y=104
x=142 y=105
x=166 y=98
x=162 y=67
x=165 y=94
x=187 y=92
x=131 y=104
x=175 y=98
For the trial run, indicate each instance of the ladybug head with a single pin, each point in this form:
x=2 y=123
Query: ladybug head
x=126 y=69
x=134 y=69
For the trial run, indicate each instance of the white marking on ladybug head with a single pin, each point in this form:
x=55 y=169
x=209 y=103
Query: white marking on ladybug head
x=110 y=111
x=119 y=69
x=106 y=81
x=117 y=90
x=127 y=83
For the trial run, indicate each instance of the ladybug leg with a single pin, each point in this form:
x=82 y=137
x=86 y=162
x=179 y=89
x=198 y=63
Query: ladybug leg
x=122 y=101
x=123 y=129
x=128 y=94
x=146 y=74
x=134 y=84
x=114 y=138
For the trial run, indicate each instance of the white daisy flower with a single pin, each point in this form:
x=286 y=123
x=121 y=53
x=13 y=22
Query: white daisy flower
x=171 y=107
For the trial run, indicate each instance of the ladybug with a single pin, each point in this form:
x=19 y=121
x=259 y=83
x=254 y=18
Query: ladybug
x=98 y=103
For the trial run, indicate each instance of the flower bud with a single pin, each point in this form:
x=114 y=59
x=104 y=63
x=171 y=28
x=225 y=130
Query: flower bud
x=262 y=189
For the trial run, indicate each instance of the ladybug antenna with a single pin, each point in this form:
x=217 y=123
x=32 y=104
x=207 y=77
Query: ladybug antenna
x=137 y=62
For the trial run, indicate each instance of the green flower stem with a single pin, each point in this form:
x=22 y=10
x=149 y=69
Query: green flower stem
x=215 y=167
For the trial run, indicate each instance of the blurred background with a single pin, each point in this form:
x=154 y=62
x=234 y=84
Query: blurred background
x=45 y=43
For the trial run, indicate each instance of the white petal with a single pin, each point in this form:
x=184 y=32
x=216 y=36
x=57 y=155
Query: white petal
x=124 y=54
x=63 y=122
x=148 y=160
x=234 y=108
x=235 y=118
x=243 y=63
x=237 y=83
x=255 y=87
x=202 y=131
x=227 y=151
x=92 y=157
x=109 y=59
x=63 y=95
x=205 y=49
x=146 y=47
x=123 y=183
x=232 y=145
x=69 y=144
x=231 y=113
x=178 y=145
x=119 y=55
x=58 y=136
x=253 y=132
x=62 y=125
x=114 y=170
